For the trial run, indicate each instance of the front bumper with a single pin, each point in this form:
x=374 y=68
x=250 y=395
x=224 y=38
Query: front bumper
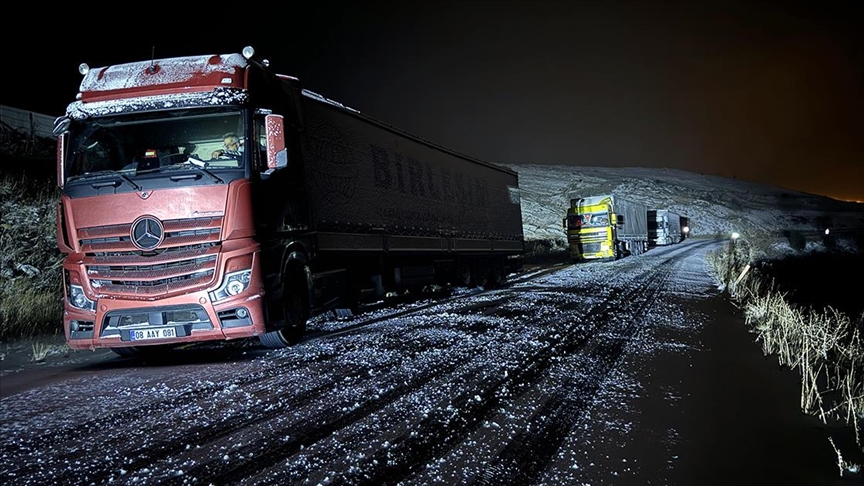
x=186 y=317
x=183 y=319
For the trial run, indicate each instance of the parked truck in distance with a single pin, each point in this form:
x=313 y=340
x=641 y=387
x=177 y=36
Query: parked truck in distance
x=210 y=198
x=606 y=227
x=664 y=227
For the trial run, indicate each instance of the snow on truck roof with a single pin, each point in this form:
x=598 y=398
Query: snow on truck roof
x=191 y=80
x=205 y=71
x=102 y=90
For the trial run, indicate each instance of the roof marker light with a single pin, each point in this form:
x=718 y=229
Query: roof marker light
x=83 y=68
x=248 y=52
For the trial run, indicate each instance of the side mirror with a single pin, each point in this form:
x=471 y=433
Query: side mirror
x=277 y=153
x=618 y=219
x=61 y=125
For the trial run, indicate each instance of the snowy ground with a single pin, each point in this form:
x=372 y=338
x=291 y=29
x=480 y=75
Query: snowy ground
x=531 y=384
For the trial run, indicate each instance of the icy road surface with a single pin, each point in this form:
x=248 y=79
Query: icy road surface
x=529 y=384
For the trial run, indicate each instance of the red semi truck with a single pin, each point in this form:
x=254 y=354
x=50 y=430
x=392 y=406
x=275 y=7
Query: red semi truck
x=169 y=238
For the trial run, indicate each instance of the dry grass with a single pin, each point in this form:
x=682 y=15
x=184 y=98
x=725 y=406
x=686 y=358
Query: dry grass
x=40 y=351
x=30 y=262
x=825 y=346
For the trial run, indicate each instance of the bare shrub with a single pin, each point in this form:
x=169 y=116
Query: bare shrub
x=825 y=346
x=41 y=348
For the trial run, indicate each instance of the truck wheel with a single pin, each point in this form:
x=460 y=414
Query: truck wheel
x=495 y=280
x=355 y=292
x=462 y=275
x=145 y=352
x=496 y=275
x=479 y=274
x=128 y=352
x=295 y=306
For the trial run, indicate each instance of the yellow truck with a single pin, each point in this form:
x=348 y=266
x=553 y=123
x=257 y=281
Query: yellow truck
x=606 y=227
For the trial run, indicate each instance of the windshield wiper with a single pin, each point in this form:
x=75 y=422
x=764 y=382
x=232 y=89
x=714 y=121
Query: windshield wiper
x=198 y=164
x=102 y=173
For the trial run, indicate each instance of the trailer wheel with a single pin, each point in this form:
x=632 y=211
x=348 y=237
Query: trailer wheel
x=497 y=275
x=462 y=277
x=479 y=274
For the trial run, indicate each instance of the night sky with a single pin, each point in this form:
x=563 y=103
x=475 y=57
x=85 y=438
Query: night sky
x=770 y=92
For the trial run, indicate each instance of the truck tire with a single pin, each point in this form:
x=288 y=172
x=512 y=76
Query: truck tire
x=295 y=307
x=127 y=352
x=497 y=275
x=462 y=274
x=145 y=352
x=479 y=274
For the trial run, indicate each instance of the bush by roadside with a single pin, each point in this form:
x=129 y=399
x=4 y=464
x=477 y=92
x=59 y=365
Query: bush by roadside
x=823 y=344
x=31 y=290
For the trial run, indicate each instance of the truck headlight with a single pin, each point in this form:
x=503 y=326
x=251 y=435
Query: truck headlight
x=79 y=300
x=233 y=284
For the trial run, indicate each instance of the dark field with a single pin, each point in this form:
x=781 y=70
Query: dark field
x=821 y=280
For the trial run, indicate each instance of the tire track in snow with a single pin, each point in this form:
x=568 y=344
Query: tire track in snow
x=429 y=438
x=525 y=456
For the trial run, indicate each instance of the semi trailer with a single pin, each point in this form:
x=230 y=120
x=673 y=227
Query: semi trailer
x=664 y=227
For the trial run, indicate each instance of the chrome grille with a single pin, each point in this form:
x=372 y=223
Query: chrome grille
x=185 y=260
x=181 y=232
x=590 y=247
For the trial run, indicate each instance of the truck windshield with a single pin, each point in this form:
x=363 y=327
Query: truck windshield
x=587 y=220
x=130 y=146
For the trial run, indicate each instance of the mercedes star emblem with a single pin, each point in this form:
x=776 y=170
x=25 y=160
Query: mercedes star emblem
x=147 y=233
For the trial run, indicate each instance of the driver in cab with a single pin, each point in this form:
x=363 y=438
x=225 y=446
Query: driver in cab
x=230 y=147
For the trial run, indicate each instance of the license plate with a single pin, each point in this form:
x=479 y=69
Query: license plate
x=154 y=333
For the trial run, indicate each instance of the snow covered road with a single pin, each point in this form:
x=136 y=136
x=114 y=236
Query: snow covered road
x=506 y=386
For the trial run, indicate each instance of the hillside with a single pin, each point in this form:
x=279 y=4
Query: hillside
x=715 y=205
